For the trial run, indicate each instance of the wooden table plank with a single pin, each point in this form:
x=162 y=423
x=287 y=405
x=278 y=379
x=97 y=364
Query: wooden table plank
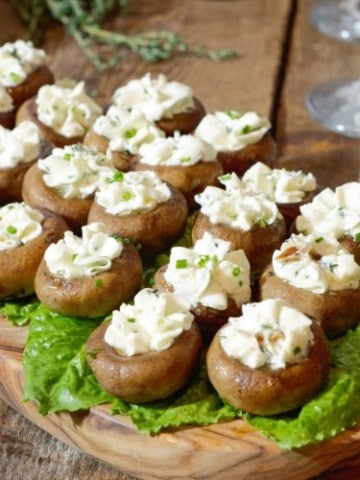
x=303 y=143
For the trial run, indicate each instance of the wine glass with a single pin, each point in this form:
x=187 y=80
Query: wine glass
x=337 y=18
x=335 y=104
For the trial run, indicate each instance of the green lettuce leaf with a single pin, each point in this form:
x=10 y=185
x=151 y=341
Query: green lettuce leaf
x=57 y=375
x=19 y=312
x=197 y=404
x=335 y=408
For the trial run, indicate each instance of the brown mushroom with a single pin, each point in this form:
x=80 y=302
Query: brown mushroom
x=93 y=296
x=36 y=193
x=258 y=243
x=18 y=265
x=264 y=391
x=121 y=160
x=144 y=377
x=11 y=179
x=155 y=229
x=239 y=161
x=208 y=319
x=29 y=87
x=184 y=122
x=28 y=111
x=336 y=311
x=190 y=180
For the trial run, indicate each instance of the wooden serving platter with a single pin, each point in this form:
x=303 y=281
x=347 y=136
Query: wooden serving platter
x=223 y=451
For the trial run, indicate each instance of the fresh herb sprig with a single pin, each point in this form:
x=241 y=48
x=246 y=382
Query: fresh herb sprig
x=83 y=21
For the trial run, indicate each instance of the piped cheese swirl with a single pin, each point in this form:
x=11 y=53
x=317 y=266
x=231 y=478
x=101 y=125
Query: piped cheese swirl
x=19 y=224
x=152 y=323
x=232 y=130
x=6 y=101
x=209 y=274
x=20 y=145
x=18 y=60
x=66 y=108
x=156 y=97
x=75 y=171
x=179 y=150
x=318 y=264
x=126 y=131
x=269 y=334
x=79 y=257
x=237 y=207
x=333 y=212
x=132 y=193
x=279 y=184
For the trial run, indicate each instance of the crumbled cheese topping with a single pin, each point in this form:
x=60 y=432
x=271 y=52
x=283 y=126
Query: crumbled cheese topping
x=76 y=257
x=132 y=192
x=6 y=101
x=333 y=212
x=156 y=97
x=316 y=263
x=19 y=224
x=269 y=334
x=75 y=171
x=279 y=184
x=232 y=130
x=18 y=60
x=152 y=323
x=20 y=145
x=179 y=150
x=209 y=274
x=126 y=130
x=237 y=207
x=66 y=108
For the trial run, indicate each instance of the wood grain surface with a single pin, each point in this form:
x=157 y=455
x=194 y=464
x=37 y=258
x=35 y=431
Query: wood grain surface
x=280 y=58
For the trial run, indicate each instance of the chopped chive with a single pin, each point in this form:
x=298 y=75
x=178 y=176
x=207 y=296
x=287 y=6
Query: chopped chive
x=99 y=283
x=236 y=271
x=246 y=129
x=118 y=177
x=233 y=114
x=131 y=320
x=319 y=239
x=181 y=263
x=296 y=350
x=357 y=237
x=203 y=260
x=241 y=283
x=185 y=160
x=130 y=133
x=126 y=195
x=11 y=229
x=67 y=156
x=93 y=353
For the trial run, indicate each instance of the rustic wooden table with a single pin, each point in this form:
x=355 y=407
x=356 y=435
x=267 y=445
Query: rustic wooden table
x=281 y=57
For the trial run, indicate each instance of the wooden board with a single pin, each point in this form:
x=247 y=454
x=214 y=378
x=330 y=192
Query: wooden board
x=221 y=451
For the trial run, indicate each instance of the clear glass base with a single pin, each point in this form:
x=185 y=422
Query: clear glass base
x=337 y=18
x=336 y=106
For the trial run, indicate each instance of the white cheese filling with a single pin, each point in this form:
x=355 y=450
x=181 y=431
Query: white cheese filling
x=75 y=171
x=318 y=264
x=237 y=207
x=76 y=257
x=20 y=145
x=209 y=274
x=157 y=98
x=269 y=334
x=279 y=184
x=126 y=131
x=132 y=192
x=179 y=150
x=18 y=60
x=66 y=108
x=6 y=101
x=152 y=323
x=232 y=130
x=19 y=224
x=335 y=212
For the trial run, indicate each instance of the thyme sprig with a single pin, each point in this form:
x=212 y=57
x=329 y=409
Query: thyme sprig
x=83 y=21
